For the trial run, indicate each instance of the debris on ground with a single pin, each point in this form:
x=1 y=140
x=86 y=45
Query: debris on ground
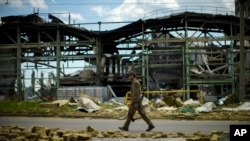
x=221 y=100
x=207 y=107
x=73 y=102
x=191 y=102
x=145 y=101
x=94 y=99
x=87 y=105
x=231 y=99
x=122 y=108
x=167 y=108
x=187 y=109
x=169 y=100
x=61 y=102
x=113 y=101
x=87 y=134
x=243 y=107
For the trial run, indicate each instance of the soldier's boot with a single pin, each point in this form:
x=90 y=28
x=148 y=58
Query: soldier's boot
x=150 y=124
x=150 y=127
x=123 y=128
x=126 y=125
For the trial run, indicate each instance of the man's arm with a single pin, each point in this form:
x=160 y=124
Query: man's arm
x=136 y=92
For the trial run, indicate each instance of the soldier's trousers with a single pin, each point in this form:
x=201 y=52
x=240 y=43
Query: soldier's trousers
x=141 y=111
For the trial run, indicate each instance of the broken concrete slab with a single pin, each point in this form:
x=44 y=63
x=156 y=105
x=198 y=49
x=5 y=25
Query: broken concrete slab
x=60 y=102
x=167 y=108
x=243 y=107
x=207 y=107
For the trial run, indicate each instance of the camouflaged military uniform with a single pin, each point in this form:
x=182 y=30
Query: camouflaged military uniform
x=136 y=105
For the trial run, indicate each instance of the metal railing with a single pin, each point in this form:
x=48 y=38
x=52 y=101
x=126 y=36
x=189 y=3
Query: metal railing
x=198 y=9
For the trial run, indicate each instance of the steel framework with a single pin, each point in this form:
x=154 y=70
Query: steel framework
x=183 y=51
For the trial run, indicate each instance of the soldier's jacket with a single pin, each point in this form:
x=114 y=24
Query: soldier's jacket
x=135 y=89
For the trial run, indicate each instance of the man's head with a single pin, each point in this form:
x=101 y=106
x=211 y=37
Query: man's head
x=131 y=76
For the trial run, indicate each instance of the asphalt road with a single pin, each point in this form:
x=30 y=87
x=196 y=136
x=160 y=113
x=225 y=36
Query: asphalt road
x=184 y=126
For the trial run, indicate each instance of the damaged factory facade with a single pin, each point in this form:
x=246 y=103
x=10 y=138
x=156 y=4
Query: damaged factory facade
x=191 y=66
x=177 y=58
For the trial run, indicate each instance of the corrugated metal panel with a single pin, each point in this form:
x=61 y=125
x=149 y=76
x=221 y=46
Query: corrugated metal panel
x=95 y=91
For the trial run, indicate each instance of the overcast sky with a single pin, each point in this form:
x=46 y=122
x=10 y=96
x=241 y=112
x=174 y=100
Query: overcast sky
x=93 y=11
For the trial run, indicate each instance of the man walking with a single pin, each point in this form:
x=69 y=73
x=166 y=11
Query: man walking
x=136 y=104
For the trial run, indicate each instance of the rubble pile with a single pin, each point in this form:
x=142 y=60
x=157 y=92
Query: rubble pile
x=42 y=133
x=167 y=108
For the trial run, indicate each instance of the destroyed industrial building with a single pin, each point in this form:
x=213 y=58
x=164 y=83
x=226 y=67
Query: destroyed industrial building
x=181 y=51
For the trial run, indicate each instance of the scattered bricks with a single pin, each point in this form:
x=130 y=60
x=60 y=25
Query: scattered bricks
x=125 y=135
x=80 y=131
x=93 y=134
x=111 y=132
x=90 y=129
x=119 y=133
x=67 y=137
x=42 y=133
x=157 y=135
x=13 y=135
x=3 y=138
x=35 y=128
x=60 y=133
x=32 y=129
x=68 y=132
x=145 y=135
x=56 y=138
x=164 y=135
x=193 y=139
x=216 y=132
x=170 y=135
x=24 y=133
x=74 y=138
x=105 y=134
x=179 y=134
x=199 y=133
x=114 y=136
x=204 y=139
x=51 y=130
x=32 y=136
x=99 y=135
x=142 y=135
x=15 y=130
x=39 y=133
x=133 y=136
x=54 y=133
x=21 y=138
x=44 y=137
x=84 y=137
x=214 y=137
x=4 y=134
